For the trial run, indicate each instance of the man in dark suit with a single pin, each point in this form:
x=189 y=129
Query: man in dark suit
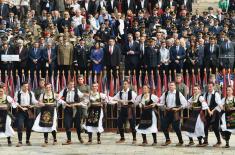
x=226 y=50
x=142 y=4
x=128 y=5
x=35 y=55
x=6 y=65
x=211 y=52
x=89 y=6
x=100 y=4
x=23 y=53
x=153 y=58
x=112 y=57
x=81 y=57
x=142 y=57
x=131 y=53
x=49 y=60
x=111 y=5
x=186 y=4
x=4 y=10
x=177 y=57
x=170 y=3
x=80 y=29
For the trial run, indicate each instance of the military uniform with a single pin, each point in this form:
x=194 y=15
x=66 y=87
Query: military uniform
x=182 y=88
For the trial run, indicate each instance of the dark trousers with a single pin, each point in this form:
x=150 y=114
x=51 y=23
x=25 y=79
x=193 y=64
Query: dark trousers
x=226 y=135
x=123 y=117
x=23 y=120
x=145 y=138
x=166 y=121
x=69 y=120
x=90 y=136
x=53 y=134
x=213 y=121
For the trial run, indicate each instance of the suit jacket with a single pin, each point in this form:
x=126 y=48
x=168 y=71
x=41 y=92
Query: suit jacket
x=52 y=56
x=201 y=55
x=188 y=5
x=152 y=56
x=143 y=55
x=215 y=30
x=23 y=55
x=226 y=48
x=139 y=6
x=33 y=55
x=112 y=60
x=91 y=7
x=4 y=10
x=81 y=56
x=131 y=59
x=180 y=55
x=109 y=7
x=59 y=5
x=211 y=56
x=131 y=6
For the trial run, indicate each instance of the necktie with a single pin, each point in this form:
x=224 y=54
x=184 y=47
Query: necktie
x=49 y=54
x=110 y=50
x=227 y=46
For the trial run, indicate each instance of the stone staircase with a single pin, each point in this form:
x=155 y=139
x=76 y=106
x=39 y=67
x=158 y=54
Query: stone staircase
x=203 y=5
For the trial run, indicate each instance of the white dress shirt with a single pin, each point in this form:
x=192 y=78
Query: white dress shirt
x=141 y=100
x=70 y=95
x=171 y=100
x=217 y=99
x=25 y=98
x=125 y=96
x=165 y=55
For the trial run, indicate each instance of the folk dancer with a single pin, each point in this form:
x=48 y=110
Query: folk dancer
x=94 y=121
x=148 y=119
x=25 y=112
x=126 y=98
x=213 y=117
x=228 y=119
x=72 y=96
x=46 y=120
x=6 y=102
x=195 y=124
x=172 y=101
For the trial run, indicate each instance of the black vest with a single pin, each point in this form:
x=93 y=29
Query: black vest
x=150 y=100
x=76 y=97
x=129 y=95
x=212 y=103
x=177 y=98
x=198 y=103
x=51 y=100
x=19 y=97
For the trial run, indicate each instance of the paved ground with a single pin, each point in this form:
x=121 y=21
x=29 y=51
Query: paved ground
x=108 y=147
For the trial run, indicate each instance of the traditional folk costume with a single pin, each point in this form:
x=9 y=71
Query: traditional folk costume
x=72 y=114
x=172 y=100
x=6 y=130
x=228 y=118
x=46 y=120
x=195 y=124
x=25 y=118
x=214 y=101
x=94 y=122
x=127 y=112
x=148 y=119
